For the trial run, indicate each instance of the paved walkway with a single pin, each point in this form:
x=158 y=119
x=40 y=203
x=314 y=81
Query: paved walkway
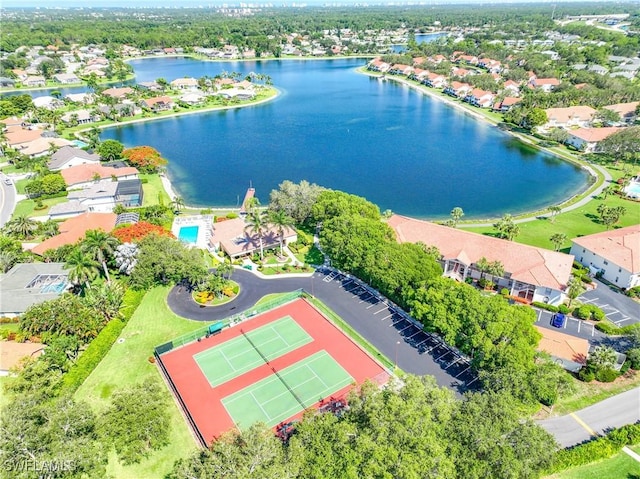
x=578 y=204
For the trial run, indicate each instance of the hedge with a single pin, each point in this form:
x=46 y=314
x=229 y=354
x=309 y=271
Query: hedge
x=611 y=329
x=100 y=346
x=589 y=311
x=548 y=307
x=595 y=450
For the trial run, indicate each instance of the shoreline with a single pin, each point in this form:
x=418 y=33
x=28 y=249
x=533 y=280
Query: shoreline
x=591 y=188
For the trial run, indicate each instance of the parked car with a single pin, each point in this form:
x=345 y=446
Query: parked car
x=558 y=320
x=7 y=181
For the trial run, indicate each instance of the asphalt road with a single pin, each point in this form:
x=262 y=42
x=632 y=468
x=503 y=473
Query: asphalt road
x=8 y=195
x=378 y=322
x=594 y=420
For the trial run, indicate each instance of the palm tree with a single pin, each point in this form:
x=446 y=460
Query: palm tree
x=554 y=212
x=574 y=288
x=281 y=222
x=99 y=245
x=558 y=239
x=456 y=214
x=82 y=268
x=257 y=224
x=177 y=203
x=21 y=227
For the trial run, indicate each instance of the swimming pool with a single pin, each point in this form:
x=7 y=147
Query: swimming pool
x=188 y=234
x=633 y=190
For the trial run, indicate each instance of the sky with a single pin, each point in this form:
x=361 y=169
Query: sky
x=207 y=3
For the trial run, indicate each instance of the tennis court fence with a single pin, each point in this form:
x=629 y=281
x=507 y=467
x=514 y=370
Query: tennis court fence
x=230 y=321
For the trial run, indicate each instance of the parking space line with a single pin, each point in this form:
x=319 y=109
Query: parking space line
x=404 y=329
x=373 y=304
x=386 y=317
x=462 y=372
x=366 y=298
x=589 y=300
x=417 y=332
x=381 y=310
x=457 y=359
x=579 y=323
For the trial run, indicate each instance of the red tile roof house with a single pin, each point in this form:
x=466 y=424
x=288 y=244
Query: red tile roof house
x=84 y=175
x=480 y=98
x=587 y=139
x=580 y=116
x=158 y=103
x=230 y=236
x=506 y=104
x=534 y=274
x=512 y=87
x=74 y=229
x=435 y=81
x=400 y=69
x=627 y=111
x=615 y=254
x=457 y=89
x=568 y=351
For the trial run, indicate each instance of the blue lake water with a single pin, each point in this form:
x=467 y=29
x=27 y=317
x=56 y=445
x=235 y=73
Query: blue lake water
x=343 y=130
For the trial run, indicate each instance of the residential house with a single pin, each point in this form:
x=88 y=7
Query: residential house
x=74 y=229
x=82 y=176
x=193 y=98
x=461 y=72
x=530 y=273
x=118 y=93
x=627 y=111
x=69 y=156
x=435 y=80
x=82 y=98
x=480 y=98
x=27 y=284
x=7 y=82
x=17 y=137
x=568 y=351
x=544 y=84
x=467 y=59
x=66 y=78
x=184 y=83
x=378 y=65
x=48 y=102
x=125 y=109
x=34 y=81
x=43 y=146
x=104 y=195
x=506 y=104
x=230 y=236
x=158 y=103
x=457 y=89
x=237 y=93
x=492 y=66
x=614 y=254
x=572 y=116
x=437 y=59
x=511 y=87
x=400 y=69
x=81 y=117
x=587 y=139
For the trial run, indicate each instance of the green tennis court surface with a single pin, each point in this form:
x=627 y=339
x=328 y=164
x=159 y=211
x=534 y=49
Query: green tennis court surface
x=237 y=356
x=270 y=400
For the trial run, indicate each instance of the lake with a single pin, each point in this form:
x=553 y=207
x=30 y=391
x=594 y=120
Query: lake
x=340 y=129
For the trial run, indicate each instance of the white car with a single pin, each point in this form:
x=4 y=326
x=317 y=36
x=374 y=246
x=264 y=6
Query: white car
x=7 y=181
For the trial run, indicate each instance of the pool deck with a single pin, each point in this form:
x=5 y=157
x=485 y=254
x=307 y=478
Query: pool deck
x=204 y=224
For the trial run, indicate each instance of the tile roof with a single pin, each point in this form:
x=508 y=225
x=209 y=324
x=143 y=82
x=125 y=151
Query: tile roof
x=620 y=246
x=531 y=265
x=624 y=109
x=42 y=145
x=101 y=189
x=235 y=241
x=67 y=153
x=12 y=353
x=83 y=173
x=594 y=134
x=74 y=229
x=16 y=135
x=563 y=115
x=563 y=346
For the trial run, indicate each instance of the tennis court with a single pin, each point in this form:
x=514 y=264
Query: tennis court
x=282 y=395
x=239 y=355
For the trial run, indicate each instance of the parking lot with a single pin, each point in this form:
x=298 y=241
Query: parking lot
x=572 y=326
x=399 y=336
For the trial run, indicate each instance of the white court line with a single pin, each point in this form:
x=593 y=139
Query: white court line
x=381 y=310
x=260 y=406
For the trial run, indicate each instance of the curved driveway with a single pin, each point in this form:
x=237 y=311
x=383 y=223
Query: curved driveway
x=7 y=200
x=376 y=321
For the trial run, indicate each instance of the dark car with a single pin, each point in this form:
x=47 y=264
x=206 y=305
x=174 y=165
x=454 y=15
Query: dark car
x=557 y=320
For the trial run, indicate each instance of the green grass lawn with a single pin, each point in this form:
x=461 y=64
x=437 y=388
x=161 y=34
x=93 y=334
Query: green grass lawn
x=27 y=207
x=620 y=466
x=126 y=364
x=152 y=189
x=590 y=393
x=579 y=222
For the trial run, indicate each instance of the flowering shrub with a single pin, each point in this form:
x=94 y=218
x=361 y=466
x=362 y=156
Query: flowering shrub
x=135 y=232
